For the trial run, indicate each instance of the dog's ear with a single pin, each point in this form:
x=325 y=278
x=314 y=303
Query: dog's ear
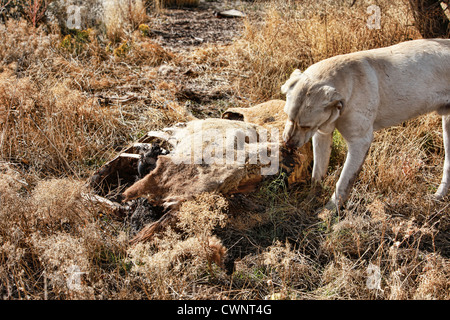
x=335 y=105
x=328 y=126
x=296 y=73
x=295 y=76
x=335 y=108
x=334 y=97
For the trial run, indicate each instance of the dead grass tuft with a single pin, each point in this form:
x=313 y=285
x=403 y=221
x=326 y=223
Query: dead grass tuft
x=176 y=258
x=122 y=16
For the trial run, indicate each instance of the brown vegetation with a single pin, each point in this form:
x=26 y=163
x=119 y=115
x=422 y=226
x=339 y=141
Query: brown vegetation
x=431 y=17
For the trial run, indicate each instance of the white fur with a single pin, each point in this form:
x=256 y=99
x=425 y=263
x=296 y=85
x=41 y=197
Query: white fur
x=365 y=91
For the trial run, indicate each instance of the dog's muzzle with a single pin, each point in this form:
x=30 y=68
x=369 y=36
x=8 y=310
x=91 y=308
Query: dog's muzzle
x=288 y=133
x=296 y=138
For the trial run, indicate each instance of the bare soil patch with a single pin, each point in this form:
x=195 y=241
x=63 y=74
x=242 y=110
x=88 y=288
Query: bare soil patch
x=184 y=29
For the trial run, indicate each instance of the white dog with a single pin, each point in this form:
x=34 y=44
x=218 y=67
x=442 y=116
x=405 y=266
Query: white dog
x=360 y=92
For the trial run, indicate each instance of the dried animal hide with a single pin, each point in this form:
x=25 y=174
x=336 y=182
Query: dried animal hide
x=212 y=155
x=229 y=155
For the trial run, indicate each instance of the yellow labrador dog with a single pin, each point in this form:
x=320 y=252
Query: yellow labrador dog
x=360 y=92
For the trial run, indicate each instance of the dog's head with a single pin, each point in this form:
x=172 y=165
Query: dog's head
x=310 y=106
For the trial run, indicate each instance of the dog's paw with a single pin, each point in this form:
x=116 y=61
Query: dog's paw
x=436 y=196
x=441 y=191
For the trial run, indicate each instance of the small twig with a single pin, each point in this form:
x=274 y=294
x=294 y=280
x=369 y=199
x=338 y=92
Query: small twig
x=36 y=10
x=2 y=7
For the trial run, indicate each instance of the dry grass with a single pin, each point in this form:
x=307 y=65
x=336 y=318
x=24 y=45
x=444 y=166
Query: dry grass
x=122 y=16
x=183 y=257
x=61 y=117
x=52 y=119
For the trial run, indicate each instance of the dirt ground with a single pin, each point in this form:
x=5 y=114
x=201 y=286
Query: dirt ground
x=188 y=33
x=184 y=29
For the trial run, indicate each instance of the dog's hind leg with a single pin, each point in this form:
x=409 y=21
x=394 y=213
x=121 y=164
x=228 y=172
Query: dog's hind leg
x=445 y=183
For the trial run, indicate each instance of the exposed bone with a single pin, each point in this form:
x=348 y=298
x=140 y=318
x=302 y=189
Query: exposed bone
x=116 y=209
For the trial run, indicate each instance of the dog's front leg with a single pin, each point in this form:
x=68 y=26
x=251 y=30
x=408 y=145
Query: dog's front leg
x=357 y=152
x=322 y=150
x=445 y=183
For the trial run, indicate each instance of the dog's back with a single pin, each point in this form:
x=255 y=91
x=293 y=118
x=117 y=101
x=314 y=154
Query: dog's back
x=406 y=80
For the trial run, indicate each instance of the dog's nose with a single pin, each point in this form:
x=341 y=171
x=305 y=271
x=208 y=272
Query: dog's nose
x=289 y=143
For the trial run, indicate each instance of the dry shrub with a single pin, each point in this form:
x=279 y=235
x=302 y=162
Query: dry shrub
x=434 y=282
x=19 y=224
x=402 y=274
x=42 y=106
x=23 y=45
x=164 y=113
x=85 y=45
x=48 y=234
x=290 y=269
x=402 y=157
x=353 y=235
x=11 y=180
x=38 y=122
x=169 y=269
x=431 y=18
x=199 y=217
x=279 y=272
x=76 y=263
x=142 y=51
x=121 y=16
x=344 y=278
x=412 y=274
x=174 y=260
x=35 y=10
x=58 y=204
x=65 y=259
x=202 y=214
x=149 y=53
x=293 y=35
x=401 y=248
